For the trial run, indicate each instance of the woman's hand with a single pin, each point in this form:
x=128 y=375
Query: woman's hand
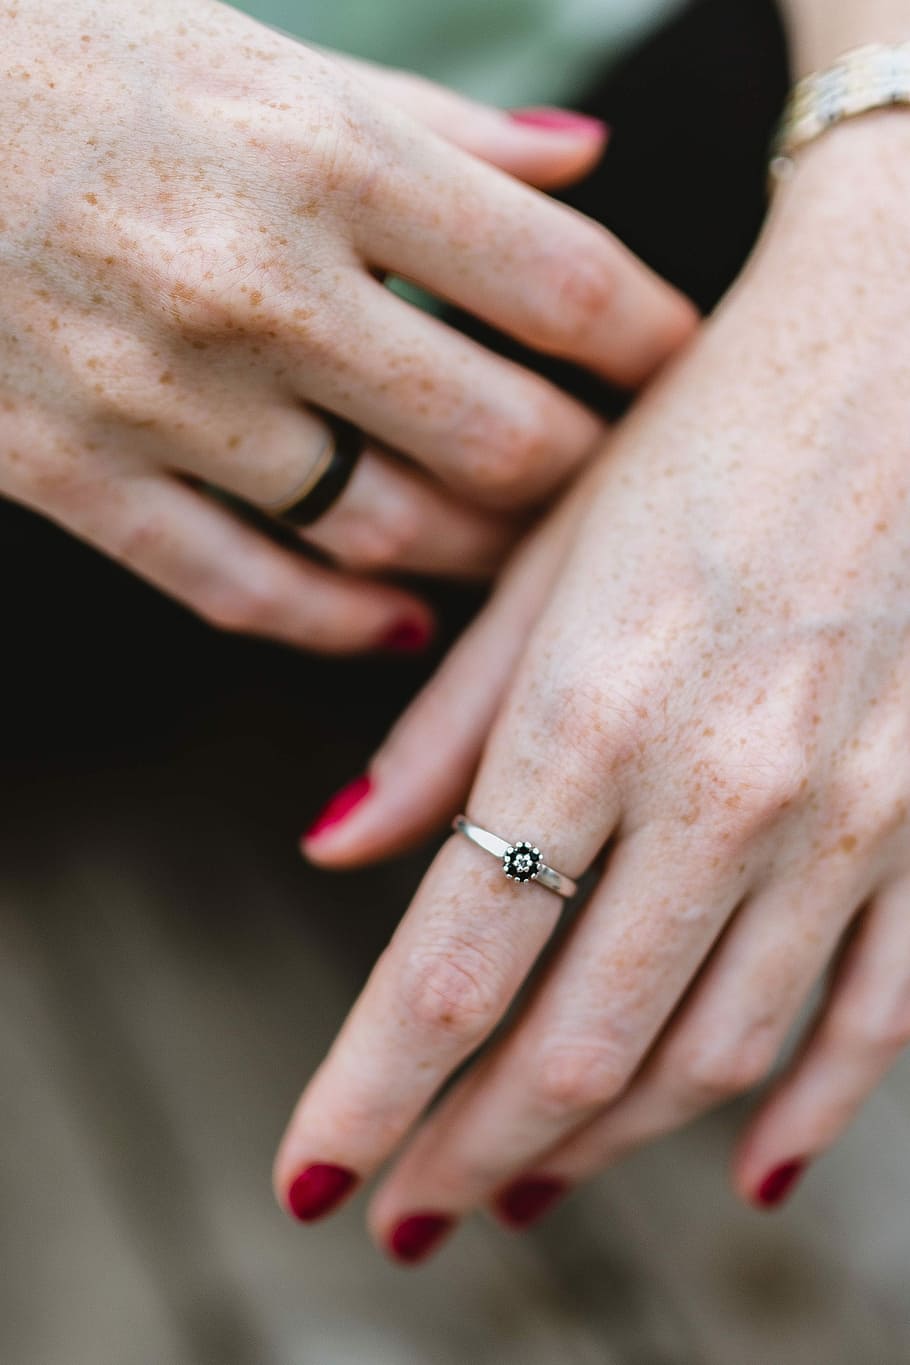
x=194 y=213
x=717 y=692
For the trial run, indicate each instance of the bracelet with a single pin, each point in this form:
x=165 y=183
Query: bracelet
x=866 y=79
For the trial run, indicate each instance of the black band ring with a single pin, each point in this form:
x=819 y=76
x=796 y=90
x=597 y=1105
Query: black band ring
x=281 y=524
x=347 y=447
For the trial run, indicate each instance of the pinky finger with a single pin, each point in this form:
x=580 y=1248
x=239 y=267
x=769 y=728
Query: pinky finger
x=861 y=1031
x=234 y=578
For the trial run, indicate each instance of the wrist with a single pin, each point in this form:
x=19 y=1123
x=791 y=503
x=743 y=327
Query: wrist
x=831 y=278
x=853 y=183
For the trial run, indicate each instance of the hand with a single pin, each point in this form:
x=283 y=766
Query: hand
x=717 y=692
x=194 y=212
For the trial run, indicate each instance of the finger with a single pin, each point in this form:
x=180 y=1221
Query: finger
x=265 y=451
x=456 y=961
x=724 y=1040
x=484 y=425
x=264 y=461
x=529 y=266
x=420 y=776
x=391 y=516
x=606 y=998
x=234 y=578
x=218 y=420
x=860 y=1033
x=545 y=147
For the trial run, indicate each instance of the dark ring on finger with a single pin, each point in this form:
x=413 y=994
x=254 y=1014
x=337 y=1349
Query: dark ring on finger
x=328 y=480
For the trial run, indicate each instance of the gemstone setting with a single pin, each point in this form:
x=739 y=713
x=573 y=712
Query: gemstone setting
x=521 y=862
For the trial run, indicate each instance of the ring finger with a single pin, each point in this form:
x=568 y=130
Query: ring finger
x=392 y=516
x=389 y=516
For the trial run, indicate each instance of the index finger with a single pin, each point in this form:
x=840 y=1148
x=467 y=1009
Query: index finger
x=524 y=263
x=454 y=966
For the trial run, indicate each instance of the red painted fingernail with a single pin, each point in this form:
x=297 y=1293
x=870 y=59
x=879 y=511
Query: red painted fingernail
x=414 y=1238
x=408 y=637
x=340 y=807
x=779 y=1185
x=561 y=121
x=318 y=1190
x=527 y=1200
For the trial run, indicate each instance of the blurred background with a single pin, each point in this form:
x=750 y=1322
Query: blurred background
x=170 y=972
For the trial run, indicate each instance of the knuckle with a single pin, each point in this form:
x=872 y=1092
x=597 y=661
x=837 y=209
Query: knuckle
x=247 y=608
x=66 y=477
x=355 y=1112
x=757 y=785
x=578 y=1077
x=602 y=725
x=504 y=452
x=225 y=610
x=578 y=289
x=142 y=541
x=124 y=400
x=711 y=1074
x=113 y=383
x=452 y=989
x=863 y=1026
x=46 y=476
x=891 y=1034
x=388 y=541
x=343 y=154
x=208 y=289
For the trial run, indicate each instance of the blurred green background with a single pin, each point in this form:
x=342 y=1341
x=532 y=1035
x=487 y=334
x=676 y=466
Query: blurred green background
x=509 y=51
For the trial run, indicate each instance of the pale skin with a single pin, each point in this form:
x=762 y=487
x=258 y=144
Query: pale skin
x=700 y=667
x=195 y=214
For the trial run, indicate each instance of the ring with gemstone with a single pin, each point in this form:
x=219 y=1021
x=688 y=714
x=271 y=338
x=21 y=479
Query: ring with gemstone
x=522 y=862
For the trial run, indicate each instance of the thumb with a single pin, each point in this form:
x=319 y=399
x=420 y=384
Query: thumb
x=545 y=147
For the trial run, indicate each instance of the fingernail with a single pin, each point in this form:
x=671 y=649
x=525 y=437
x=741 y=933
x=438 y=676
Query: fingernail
x=408 y=637
x=414 y=1238
x=317 y=1190
x=777 y=1186
x=561 y=121
x=339 y=808
x=527 y=1200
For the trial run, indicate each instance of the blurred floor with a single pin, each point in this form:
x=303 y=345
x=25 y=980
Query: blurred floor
x=170 y=972
x=161 y=1001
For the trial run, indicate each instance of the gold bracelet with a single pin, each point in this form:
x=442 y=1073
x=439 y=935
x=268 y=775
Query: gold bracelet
x=866 y=79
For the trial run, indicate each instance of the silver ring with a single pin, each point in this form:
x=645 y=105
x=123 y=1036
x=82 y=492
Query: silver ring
x=521 y=861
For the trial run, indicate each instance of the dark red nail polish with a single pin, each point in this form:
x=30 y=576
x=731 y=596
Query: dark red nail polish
x=777 y=1186
x=340 y=807
x=318 y=1190
x=561 y=121
x=408 y=637
x=414 y=1238
x=527 y=1200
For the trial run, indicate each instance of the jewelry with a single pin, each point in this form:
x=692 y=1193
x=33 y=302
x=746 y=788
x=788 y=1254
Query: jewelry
x=521 y=862
x=863 y=80
x=327 y=480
